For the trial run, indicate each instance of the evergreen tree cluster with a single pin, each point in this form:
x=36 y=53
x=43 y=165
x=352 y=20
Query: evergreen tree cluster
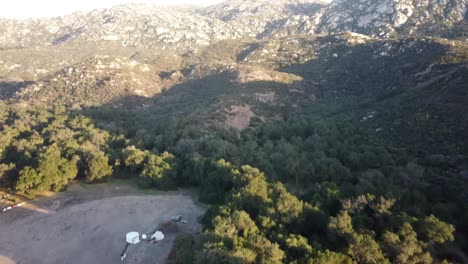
x=314 y=191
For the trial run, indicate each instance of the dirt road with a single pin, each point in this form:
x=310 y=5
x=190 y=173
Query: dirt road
x=88 y=225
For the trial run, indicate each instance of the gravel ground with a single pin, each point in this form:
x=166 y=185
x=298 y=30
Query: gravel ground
x=88 y=225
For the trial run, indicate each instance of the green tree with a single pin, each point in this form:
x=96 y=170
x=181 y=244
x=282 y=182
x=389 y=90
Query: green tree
x=342 y=224
x=435 y=231
x=28 y=179
x=52 y=173
x=134 y=158
x=218 y=181
x=253 y=198
x=159 y=171
x=404 y=247
x=298 y=248
x=364 y=249
x=287 y=207
x=237 y=224
x=330 y=257
x=96 y=166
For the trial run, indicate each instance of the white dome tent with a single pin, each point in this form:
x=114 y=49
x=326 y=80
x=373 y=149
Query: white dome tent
x=157 y=236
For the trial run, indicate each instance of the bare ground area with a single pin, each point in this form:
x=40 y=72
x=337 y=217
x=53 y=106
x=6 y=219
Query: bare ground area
x=87 y=224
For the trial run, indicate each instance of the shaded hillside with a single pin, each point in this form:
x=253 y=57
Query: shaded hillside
x=392 y=87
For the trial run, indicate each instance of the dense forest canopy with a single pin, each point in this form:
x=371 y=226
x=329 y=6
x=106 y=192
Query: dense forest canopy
x=314 y=191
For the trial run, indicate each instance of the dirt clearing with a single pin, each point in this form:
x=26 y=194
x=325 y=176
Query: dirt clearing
x=88 y=225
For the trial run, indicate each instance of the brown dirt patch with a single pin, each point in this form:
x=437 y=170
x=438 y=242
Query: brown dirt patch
x=238 y=117
x=88 y=225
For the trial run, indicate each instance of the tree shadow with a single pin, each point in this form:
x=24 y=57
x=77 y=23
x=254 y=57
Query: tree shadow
x=9 y=88
x=200 y=103
x=366 y=70
x=343 y=81
x=249 y=49
x=401 y=82
x=67 y=37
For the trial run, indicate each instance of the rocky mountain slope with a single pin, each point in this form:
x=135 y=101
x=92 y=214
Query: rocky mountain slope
x=239 y=62
x=127 y=25
x=187 y=28
x=98 y=80
x=179 y=28
x=386 y=18
x=259 y=16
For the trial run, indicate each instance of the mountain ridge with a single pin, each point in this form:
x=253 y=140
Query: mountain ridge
x=187 y=28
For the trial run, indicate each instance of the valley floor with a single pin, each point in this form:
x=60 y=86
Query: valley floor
x=87 y=224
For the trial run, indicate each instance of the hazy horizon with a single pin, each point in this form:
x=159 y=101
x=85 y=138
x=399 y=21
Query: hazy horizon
x=23 y=9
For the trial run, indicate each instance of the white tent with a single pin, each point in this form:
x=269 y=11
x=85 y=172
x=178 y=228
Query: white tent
x=133 y=238
x=158 y=236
